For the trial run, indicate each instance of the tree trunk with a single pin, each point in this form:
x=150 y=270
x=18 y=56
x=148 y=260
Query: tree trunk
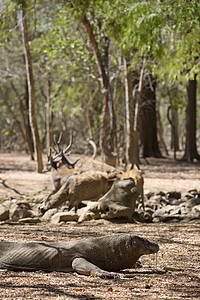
x=48 y=115
x=26 y=135
x=148 y=125
x=160 y=134
x=175 y=135
x=29 y=131
x=31 y=90
x=190 y=143
x=107 y=133
x=132 y=136
x=92 y=97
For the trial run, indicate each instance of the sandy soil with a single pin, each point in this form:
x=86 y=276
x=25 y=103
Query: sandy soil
x=174 y=273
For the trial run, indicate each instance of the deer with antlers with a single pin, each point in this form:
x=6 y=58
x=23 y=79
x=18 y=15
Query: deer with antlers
x=55 y=161
x=74 y=184
x=89 y=181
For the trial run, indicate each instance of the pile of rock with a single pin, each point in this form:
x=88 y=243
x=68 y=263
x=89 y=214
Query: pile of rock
x=16 y=210
x=170 y=207
x=159 y=207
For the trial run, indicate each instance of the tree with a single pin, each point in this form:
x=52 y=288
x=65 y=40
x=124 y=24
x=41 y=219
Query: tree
x=190 y=144
x=148 y=125
x=165 y=30
x=132 y=135
x=63 y=53
x=108 y=126
x=31 y=89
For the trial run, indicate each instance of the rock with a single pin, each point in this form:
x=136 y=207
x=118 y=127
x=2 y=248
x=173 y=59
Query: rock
x=29 y=220
x=176 y=201
x=193 y=202
x=4 y=213
x=149 y=194
x=20 y=210
x=112 y=210
x=164 y=210
x=64 y=216
x=156 y=202
x=194 y=193
x=186 y=196
x=184 y=210
x=196 y=210
x=168 y=218
x=161 y=194
x=174 y=195
x=143 y=216
x=48 y=214
x=90 y=212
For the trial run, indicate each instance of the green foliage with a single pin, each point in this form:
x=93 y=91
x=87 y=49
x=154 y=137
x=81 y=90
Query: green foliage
x=165 y=32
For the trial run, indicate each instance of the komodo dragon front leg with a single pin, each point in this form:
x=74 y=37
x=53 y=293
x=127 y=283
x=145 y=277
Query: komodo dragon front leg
x=82 y=266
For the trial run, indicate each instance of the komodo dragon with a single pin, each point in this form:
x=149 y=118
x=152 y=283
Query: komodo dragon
x=100 y=256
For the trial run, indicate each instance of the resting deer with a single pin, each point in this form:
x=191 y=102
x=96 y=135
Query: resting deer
x=84 y=183
x=89 y=181
x=58 y=176
x=88 y=185
x=61 y=157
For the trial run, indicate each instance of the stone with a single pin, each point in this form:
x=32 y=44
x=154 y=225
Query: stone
x=196 y=210
x=64 y=216
x=29 y=220
x=4 y=213
x=48 y=214
x=20 y=210
x=174 y=195
x=193 y=202
x=164 y=210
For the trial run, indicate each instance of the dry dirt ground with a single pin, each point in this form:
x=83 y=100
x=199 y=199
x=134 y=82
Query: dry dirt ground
x=174 y=273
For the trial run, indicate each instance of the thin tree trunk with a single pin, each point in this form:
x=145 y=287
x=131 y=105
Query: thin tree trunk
x=160 y=133
x=31 y=90
x=26 y=96
x=108 y=121
x=132 y=147
x=48 y=115
x=173 y=120
x=88 y=110
x=190 y=144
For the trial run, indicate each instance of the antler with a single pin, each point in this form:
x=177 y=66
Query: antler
x=94 y=147
x=57 y=143
x=70 y=144
x=62 y=155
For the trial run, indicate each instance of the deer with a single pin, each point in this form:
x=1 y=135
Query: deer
x=60 y=157
x=59 y=176
x=86 y=186
x=55 y=161
x=86 y=182
x=90 y=180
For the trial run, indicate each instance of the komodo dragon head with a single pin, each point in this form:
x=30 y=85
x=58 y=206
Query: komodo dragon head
x=143 y=245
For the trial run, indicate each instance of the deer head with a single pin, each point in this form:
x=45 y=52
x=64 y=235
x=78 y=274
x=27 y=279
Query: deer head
x=61 y=156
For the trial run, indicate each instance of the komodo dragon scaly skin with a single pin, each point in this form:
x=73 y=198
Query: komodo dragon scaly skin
x=99 y=256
